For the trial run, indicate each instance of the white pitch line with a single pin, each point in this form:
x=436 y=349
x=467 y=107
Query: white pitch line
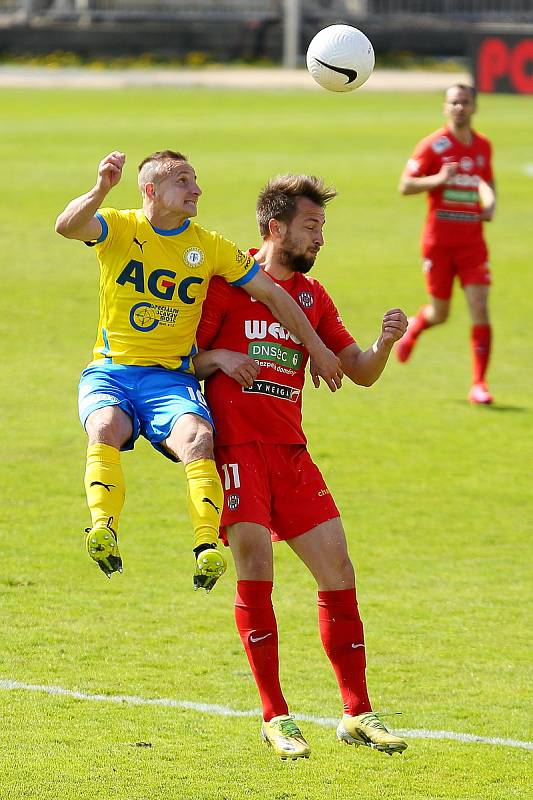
x=226 y=711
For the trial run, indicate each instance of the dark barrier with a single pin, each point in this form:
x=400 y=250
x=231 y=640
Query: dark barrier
x=503 y=64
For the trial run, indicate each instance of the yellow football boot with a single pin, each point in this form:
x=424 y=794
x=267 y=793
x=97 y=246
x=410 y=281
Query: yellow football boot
x=285 y=737
x=367 y=729
x=101 y=543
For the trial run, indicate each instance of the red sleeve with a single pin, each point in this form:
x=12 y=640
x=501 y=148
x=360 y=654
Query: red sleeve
x=213 y=311
x=330 y=327
x=487 y=174
x=423 y=161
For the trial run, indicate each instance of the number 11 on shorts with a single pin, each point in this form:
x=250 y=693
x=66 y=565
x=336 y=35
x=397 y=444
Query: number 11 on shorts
x=228 y=477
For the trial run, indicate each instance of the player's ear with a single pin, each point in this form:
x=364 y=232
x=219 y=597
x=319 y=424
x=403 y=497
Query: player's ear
x=275 y=229
x=149 y=189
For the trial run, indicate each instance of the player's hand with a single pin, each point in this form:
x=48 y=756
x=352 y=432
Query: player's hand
x=447 y=171
x=210 y=565
x=110 y=170
x=102 y=546
x=328 y=367
x=238 y=366
x=393 y=326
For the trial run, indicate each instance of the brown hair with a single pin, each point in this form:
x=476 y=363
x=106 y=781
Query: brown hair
x=278 y=198
x=157 y=166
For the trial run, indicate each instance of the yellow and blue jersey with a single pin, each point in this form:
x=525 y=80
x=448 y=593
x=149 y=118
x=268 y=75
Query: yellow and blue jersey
x=153 y=283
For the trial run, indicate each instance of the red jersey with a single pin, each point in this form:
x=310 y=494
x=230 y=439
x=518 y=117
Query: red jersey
x=453 y=209
x=271 y=411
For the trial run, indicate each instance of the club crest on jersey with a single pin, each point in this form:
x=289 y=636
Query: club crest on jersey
x=466 y=164
x=193 y=257
x=441 y=144
x=306 y=299
x=233 y=501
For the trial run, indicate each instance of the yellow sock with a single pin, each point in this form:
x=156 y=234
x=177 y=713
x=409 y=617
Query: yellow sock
x=204 y=500
x=104 y=485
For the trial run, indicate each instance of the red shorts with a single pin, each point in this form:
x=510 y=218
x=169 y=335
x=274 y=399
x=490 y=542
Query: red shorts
x=277 y=486
x=442 y=264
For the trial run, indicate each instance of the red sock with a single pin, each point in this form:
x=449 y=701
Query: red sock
x=418 y=324
x=256 y=623
x=480 y=339
x=341 y=631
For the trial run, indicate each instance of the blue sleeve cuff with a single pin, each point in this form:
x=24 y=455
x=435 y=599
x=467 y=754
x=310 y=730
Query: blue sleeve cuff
x=248 y=277
x=105 y=228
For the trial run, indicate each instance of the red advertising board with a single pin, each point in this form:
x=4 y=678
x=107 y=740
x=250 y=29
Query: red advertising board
x=503 y=64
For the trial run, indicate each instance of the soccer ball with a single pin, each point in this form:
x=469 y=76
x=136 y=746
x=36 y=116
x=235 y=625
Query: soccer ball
x=340 y=58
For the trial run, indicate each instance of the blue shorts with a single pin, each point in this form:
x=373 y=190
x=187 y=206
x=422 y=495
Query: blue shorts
x=153 y=397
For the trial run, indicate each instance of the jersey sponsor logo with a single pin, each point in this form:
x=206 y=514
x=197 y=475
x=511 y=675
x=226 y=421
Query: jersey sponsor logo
x=243 y=258
x=413 y=166
x=233 y=501
x=427 y=263
x=268 y=351
x=306 y=299
x=465 y=181
x=94 y=398
x=461 y=196
x=278 y=390
x=160 y=283
x=466 y=164
x=441 y=144
x=480 y=161
x=145 y=317
x=458 y=216
x=259 y=328
x=193 y=256
x=322 y=492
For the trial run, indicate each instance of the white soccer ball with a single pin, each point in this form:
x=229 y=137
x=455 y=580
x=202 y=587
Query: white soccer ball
x=340 y=58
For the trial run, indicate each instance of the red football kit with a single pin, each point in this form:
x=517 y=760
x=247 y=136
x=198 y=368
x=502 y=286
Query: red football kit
x=260 y=447
x=452 y=236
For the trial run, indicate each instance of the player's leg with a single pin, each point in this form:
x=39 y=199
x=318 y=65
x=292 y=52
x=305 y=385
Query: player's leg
x=324 y=551
x=251 y=547
x=111 y=425
x=438 y=272
x=176 y=420
x=191 y=441
x=480 y=340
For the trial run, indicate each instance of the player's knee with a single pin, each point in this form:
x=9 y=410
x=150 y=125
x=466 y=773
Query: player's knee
x=108 y=425
x=198 y=445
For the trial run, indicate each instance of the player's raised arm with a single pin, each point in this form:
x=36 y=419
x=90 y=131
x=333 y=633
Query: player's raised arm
x=365 y=367
x=286 y=310
x=78 y=220
x=413 y=184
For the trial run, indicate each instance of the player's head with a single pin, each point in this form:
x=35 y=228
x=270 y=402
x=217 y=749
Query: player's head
x=290 y=213
x=460 y=104
x=167 y=181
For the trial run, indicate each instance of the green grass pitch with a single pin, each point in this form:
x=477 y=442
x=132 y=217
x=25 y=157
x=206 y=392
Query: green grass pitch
x=434 y=493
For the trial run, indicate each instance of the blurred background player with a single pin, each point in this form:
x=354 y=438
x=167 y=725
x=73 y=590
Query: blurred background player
x=453 y=165
x=273 y=491
x=155 y=267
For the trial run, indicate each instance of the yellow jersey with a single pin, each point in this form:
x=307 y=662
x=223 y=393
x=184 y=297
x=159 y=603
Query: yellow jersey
x=153 y=283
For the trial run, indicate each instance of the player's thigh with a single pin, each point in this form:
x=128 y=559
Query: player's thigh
x=244 y=476
x=472 y=265
x=105 y=407
x=251 y=547
x=325 y=553
x=174 y=415
x=438 y=270
x=191 y=438
x=301 y=499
